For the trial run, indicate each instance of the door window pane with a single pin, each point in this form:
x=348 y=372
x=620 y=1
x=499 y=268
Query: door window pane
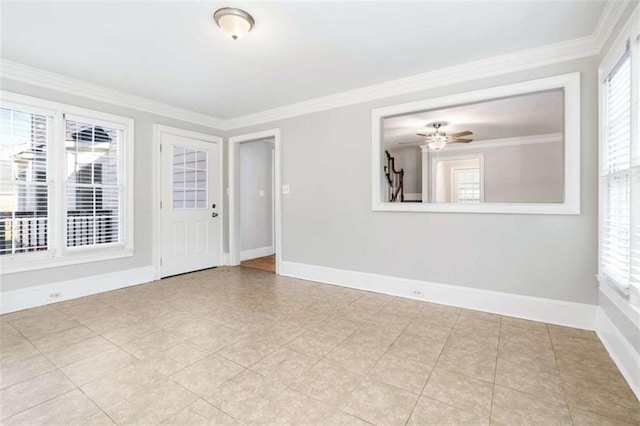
x=189 y=178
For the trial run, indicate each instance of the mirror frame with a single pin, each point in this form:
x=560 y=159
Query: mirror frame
x=569 y=83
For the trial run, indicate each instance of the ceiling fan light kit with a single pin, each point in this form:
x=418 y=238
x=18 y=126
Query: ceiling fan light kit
x=235 y=22
x=438 y=140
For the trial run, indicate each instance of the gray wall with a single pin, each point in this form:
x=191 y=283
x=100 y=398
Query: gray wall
x=409 y=159
x=327 y=218
x=256 y=213
x=530 y=173
x=143 y=228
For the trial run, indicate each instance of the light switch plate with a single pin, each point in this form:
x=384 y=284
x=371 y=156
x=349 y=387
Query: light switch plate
x=286 y=189
x=261 y=193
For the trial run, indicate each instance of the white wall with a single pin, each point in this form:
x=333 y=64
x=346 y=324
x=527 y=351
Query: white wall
x=327 y=218
x=256 y=212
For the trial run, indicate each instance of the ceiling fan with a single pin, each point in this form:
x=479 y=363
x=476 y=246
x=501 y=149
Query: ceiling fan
x=437 y=140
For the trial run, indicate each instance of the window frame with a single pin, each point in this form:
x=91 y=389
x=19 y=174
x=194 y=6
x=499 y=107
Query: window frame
x=627 y=43
x=455 y=183
x=569 y=83
x=434 y=170
x=58 y=253
x=51 y=131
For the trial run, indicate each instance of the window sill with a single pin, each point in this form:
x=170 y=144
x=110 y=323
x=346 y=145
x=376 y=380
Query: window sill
x=567 y=208
x=44 y=261
x=622 y=302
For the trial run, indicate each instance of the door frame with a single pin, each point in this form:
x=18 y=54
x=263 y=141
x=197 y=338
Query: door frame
x=234 y=193
x=158 y=131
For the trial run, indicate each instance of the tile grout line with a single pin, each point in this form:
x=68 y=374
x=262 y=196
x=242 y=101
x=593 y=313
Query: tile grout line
x=176 y=304
x=432 y=369
x=495 y=372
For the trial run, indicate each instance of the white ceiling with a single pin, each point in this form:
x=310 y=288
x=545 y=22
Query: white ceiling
x=525 y=115
x=172 y=52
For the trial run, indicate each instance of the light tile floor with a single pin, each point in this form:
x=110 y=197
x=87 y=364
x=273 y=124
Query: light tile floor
x=240 y=346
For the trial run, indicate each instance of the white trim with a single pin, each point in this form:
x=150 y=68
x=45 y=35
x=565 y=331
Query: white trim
x=628 y=310
x=234 y=229
x=624 y=355
x=505 y=142
x=434 y=170
x=619 y=45
x=31 y=263
x=611 y=14
x=59 y=254
x=158 y=131
x=616 y=52
x=413 y=196
x=551 y=311
x=37 y=77
x=256 y=253
x=31 y=297
x=498 y=65
x=570 y=83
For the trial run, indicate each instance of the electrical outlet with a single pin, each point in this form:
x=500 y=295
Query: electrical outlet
x=286 y=189
x=261 y=193
x=417 y=292
x=55 y=295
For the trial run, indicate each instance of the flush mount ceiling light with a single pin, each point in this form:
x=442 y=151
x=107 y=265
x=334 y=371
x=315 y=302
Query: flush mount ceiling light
x=235 y=22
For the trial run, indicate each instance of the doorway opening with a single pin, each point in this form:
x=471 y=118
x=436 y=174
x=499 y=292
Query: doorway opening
x=254 y=200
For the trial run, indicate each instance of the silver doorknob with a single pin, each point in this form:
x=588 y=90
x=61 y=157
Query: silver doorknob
x=214 y=214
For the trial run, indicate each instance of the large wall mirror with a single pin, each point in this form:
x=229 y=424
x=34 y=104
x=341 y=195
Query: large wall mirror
x=507 y=149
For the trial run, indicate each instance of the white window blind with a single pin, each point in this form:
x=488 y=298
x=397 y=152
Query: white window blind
x=619 y=180
x=24 y=186
x=94 y=188
x=467 y=185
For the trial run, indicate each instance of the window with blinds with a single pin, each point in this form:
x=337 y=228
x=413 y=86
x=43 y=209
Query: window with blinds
x=24 y=187
x=618 y=245
x=466 y=183
x=65 y=196
x=93 y=184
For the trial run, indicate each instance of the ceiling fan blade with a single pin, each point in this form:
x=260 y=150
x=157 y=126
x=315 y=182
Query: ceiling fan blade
x=407 y=143
x=460 y=141
x=456 y=135
x=422 y=134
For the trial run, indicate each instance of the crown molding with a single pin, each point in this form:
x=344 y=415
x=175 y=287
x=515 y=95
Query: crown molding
x=498 y=65
x=504 y=142
x=607 y=22
x=37 y=77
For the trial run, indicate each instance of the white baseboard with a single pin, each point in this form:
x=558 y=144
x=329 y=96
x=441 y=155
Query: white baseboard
x=551 y=311
x=257 y=252
x=17 y=300
x=226 y=259
x=621 y=351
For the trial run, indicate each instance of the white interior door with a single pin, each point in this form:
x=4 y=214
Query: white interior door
x=191 y=227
